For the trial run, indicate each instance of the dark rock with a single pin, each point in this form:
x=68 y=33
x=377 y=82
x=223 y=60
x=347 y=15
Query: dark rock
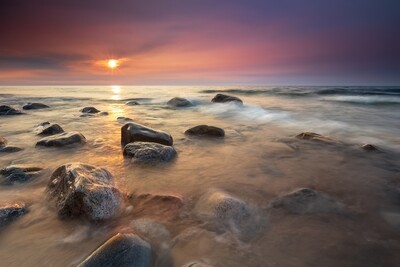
x=3 y=141
x=83 y=190
x=369 y=147
x=90 y=110
x=30 y=106
x=63 y=139
x=87 y=115
x=122 y=250
x=147 y=152
x=49 y=129
x=179 y=102
x=221 y=98
x=9 y=149
x=6 y=110
x=308 y=201
x=42 y=124
x=132 y=103
x=9 y=212
x=206 y=130
x=18 y=173
x=134 y=132
x=196 y=264
x=103 y=113
x=316 y=137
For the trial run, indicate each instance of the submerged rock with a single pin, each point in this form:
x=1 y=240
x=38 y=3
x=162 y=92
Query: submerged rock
x=18 y=173
x=63 y=139
x=3 y=141
x=9 y=149
x=49 y=129
x=123 y=250
x=147 y=152
x=134 y=132
x=104 y=113
x=369 y=147
x=196 y=264
x=316 y=137
x=90 y=110
x=83 y=190
x=159 y=206
x=221 y=98
x=179 y=102
x=308 y=201
x=9 y=212
x=132 y=103
x=124 y=119
x=205 y=130
x=6 y=110
x=30 y=106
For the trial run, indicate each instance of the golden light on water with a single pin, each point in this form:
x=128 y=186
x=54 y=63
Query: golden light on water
x=116 y=89
x=113 y=63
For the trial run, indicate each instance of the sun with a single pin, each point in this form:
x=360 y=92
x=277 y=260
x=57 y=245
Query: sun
x=112 y=63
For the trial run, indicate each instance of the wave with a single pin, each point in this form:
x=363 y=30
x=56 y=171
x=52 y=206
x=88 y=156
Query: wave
x=364 y=100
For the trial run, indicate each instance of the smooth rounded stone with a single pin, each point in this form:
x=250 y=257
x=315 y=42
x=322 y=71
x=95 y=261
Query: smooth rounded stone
x=369 y=147
x=63 y=139
x=316 y=137
x=18 y=173
x=147 y=152
x=83 y=190
x=134 y=132
x=42 y=124
x=308 y=201
x=179 y=102
x=90 y=110
x=9 y=212
x=132 y=103
x=226 y=212
x=49 y=129
x=7 y=110
x=196 y=264
x=30 y=106
x=122 y=250
x=206 y=130
x=124 y=119
x=104 y=113
x=221 y=98
x=10 y=149
x=3 y=141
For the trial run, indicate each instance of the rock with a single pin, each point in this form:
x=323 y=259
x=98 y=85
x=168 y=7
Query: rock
x=134 y=132
x=132 y=103
x=63 y=139
x=83 y=190
x=147 y=152
x=124 y=119
x=205 y=130
x=221 y=98
x=103 y=113
x=179 y=102
x=308 y=201
x=30 y=106
x=316 y=137
x=18 y=173
x=42 y=124
x=90 y=110
x=196 y=264
x=6 y=110
x=49 y=129
x=9 y=149
x=122 y=250
x=3 y=141
x=9 y=212
x=369 y=147
x=86 y=115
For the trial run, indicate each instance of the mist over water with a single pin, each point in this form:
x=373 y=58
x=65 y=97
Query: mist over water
x=258 y=160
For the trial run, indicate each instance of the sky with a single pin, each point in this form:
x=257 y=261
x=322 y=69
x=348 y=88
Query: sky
x=191 y=42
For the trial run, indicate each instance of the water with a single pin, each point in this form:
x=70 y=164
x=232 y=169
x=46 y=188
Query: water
x=257 y=161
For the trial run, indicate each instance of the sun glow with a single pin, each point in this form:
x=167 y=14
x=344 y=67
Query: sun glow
x=113 y=63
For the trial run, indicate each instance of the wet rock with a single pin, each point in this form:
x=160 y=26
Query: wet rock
x=308 y=201
x=196 y=264
x=18 y=173
x=30 y=106
x=103 y=113
x=49 y=129
x=10 y=149
x=42 y=124
x=90 y=110
x=61 y=140
x=132 y=103
x=147 y=152
x=221 y=98
x=123 y=250
x=9 y=212
x=86 y=115
x=179 y=102
x=134 y=132
x=124 y=119
x=369 y=147
x=205 y=130
x=3 y=141
x=316 y=137
x=83 y=190
x=6 y=110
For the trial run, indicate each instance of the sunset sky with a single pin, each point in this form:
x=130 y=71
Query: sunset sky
x=336 y=42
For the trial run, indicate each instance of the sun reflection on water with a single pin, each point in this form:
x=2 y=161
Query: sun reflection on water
x=116 y=89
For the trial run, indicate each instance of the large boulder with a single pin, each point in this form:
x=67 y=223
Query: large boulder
x=30 y=106
x=308 y=201
x=316 y=137
x=147 y=152
x=205 y=130
x=49 y=129
x=221 y=98
x=90 y=110
x=122 y=250
x=6 y=110
x=134 y=132
x=9 y=212
x=83 y=190
x=19 y=173
x=179 y=102
x=63 y=139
